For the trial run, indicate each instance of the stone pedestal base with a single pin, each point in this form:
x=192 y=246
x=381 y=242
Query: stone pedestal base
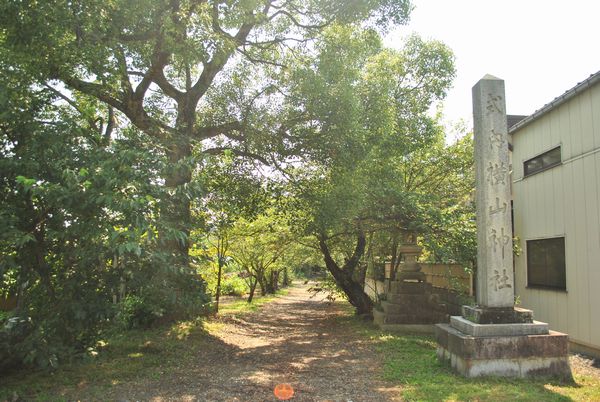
x=530 y=351
x=492 y=315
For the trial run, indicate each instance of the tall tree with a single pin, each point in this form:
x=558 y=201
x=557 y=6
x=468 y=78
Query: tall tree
x=159 y=63
x=74 y=204
x=369 y=109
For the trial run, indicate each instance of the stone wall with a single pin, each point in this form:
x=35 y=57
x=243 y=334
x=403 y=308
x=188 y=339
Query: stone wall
x=444 y=278
x=448 y=276
x=374 y=287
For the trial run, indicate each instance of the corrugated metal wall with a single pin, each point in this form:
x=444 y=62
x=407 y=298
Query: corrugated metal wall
x=563 y=201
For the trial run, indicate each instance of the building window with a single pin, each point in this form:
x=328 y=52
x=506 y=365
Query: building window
x=546 y=263
x=542 y=162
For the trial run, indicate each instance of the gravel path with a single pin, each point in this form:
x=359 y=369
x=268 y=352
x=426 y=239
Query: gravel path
x=296 y=339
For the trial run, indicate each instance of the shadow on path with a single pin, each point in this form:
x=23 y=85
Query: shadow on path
x=296 y=339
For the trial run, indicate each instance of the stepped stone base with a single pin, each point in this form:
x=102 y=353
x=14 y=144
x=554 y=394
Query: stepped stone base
x=531 y=351
x=380 y=321
x=470 y=328
x=410 y=307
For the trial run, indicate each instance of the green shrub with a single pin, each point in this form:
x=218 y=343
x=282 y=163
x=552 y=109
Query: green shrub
x=233 y=285
x=137 y=312
x=4 y=315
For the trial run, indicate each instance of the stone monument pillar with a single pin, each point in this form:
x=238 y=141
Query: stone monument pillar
x=494 y=230
x=494 y=337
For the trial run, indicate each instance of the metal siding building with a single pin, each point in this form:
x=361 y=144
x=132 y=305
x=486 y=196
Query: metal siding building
x=562 y=200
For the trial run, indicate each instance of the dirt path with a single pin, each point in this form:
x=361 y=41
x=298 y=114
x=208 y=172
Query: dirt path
x=296 y=339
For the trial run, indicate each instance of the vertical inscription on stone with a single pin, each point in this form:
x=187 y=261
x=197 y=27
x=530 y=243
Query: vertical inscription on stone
x=496 y=139
x=495 y=281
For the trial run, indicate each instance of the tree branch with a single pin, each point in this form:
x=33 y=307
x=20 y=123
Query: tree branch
x=122 y=69
x=221 y=56
x=296 y=22
x=110 y=123
x=96 y=90
x=329 y=261
x=74 y=105
x=359 y=250
x=226 y=129
x=237 y=152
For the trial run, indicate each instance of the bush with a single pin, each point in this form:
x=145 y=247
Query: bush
x=137 y=312
x=13 y=332
x=233 y=285
x=23 y=342
x=4 y=315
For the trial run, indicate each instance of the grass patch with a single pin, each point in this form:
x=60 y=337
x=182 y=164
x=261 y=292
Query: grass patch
x=119 y=358
x=241 y=306
x=124 y=357
x=410 y=361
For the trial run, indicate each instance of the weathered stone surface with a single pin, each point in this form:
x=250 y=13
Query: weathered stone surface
x=409 y=328
x=403 y=298
x=411 y=303
x=495 y=338
x=553 y=344
x=483 y=315
x=411 y=252
x=416 y=276
x=408 y=307
x=398 y=323
x=470 y=328
x=398 y=287
x=495 y=281
x=512 y=356
x=408 y=318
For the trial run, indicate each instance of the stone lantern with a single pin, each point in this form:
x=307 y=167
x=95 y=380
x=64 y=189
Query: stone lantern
x=409 y=268
x=410 y=304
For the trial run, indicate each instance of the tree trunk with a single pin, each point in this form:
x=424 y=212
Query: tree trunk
x=252 y=289
x=343 y=276
x=218 y=292
x=175 y=208
x=263 y=284
x=273 y=282
x=286 y=277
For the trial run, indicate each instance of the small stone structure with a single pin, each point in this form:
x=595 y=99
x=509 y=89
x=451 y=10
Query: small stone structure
x=494 y=337
x=410 y=305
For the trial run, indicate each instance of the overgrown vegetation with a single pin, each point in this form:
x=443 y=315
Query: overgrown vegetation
x=156 y=155
x=120 y=357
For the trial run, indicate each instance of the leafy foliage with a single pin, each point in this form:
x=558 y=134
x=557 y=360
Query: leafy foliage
x=255 y=133
x=78 y=224
x=378 y=165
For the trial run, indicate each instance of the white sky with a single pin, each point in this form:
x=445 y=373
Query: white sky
x=540 y=48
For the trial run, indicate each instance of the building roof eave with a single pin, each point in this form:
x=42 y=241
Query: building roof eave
x=577 y=89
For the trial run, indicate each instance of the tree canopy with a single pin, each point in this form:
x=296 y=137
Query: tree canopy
x=146 y=143
x=179 y=71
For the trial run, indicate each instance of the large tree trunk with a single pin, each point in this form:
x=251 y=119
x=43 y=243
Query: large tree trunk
x=344 y=276
x=273 y=282
x=175 y=208
x=286 y=277
x=262 y=282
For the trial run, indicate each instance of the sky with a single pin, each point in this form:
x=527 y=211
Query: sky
x=540 y=48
